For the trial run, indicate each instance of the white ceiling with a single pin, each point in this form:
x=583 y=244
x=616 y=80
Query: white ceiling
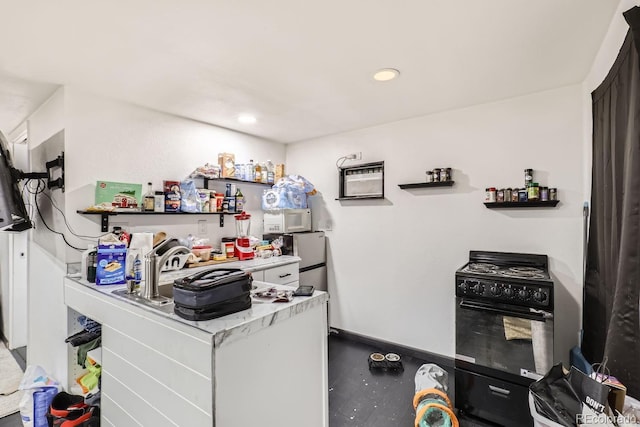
x=303 y=68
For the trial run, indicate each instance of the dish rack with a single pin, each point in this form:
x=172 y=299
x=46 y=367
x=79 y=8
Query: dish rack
x=175 y=262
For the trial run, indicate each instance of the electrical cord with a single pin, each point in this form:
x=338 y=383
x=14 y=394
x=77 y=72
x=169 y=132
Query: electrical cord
x=35 y=193
x=81 y=236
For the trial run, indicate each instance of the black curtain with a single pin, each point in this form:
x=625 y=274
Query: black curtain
x=611 y=314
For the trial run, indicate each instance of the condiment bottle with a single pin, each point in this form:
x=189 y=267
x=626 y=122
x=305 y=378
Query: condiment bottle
x=149 y=199
x=258 y=173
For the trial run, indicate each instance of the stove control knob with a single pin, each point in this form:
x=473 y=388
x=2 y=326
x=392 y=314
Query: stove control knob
x=540 y=296
x=523 y=294
x=463 y=286
x=508 y=292
x=478 y=288
x=495 y=290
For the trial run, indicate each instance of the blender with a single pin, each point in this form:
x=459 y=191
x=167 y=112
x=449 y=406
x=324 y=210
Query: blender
x=243 y=248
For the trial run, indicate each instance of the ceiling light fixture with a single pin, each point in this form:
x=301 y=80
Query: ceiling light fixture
x=386 y=74
x=247 y=119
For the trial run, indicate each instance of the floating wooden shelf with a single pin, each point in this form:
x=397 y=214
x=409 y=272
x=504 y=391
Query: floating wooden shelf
x=104 y=215
x=530 y=204
x=232 y=180
x=359 y=198
x=426 y=184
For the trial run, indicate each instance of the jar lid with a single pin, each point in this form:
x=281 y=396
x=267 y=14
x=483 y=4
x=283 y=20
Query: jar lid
x=534 y=184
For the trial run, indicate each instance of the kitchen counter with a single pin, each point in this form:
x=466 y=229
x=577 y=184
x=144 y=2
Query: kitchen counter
x=160 y=369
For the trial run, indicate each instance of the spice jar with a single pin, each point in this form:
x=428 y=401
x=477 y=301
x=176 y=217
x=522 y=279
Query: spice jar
x=491 y=195
x=507 y=195
x=553 y=194
x=528 y=177
x=533 y=191
x=544 y=193
x=444 y=175
x=429 y=176
x=436 y=175
x=500 y=195
x=522 y=195
x=514 y=194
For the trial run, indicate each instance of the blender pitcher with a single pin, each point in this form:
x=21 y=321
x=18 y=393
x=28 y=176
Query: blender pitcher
x=243 y=224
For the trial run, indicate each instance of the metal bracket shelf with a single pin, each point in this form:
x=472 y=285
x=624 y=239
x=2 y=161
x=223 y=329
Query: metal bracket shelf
x=104 y=216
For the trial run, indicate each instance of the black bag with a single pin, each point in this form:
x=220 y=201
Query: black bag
x=212 y=293
x=560 y=398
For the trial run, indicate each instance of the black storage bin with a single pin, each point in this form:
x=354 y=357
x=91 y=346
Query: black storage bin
x=212 y=293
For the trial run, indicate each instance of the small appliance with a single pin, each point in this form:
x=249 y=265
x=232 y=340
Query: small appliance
x=243 y=249
x=287 y=221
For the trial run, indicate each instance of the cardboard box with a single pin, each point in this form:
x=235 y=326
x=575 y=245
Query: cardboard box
x=111 y=264
x=172 y=196
x=118 y=194
x=227 y=162
x=279 y=172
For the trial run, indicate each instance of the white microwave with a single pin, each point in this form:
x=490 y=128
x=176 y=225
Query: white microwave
x=287 y=221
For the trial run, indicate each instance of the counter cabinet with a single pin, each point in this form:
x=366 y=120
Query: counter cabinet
x=160 y=371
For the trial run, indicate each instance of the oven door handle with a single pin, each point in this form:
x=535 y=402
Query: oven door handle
x=537 y=316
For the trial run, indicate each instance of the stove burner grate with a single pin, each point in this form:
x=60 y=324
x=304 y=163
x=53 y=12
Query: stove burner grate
x=481 y=267
x=522 y=274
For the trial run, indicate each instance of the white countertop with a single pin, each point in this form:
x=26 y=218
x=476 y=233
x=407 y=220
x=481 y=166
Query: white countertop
x=233 y=326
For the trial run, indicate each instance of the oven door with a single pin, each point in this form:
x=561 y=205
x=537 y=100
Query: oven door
x=512 y=339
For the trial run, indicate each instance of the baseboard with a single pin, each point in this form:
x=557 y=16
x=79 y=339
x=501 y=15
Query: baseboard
x=386 y=346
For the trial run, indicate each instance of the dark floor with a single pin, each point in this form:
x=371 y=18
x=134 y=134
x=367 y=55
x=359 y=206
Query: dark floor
x=20 y=354
x=357 y=396
x=360 y=397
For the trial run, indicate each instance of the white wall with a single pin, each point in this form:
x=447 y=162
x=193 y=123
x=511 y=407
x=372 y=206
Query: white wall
x=392 y=263
x=115 y=141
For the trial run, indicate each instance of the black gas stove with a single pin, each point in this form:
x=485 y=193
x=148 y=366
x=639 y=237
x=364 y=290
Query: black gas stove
x=509 y=278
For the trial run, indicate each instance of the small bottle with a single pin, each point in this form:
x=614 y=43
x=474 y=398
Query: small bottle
x=239 y=200
x=436 y=175
x=491 y=195
x=137 y=270
x=250 y=171
x=429 y=176
x=271 y=172
x=528 y=177
x=158 y=201
x=544 y=194
x=265 y=173
x=149 y=199
x=258 y=173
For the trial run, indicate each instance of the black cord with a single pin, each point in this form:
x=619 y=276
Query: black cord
x=82 y=236
x=36 y=193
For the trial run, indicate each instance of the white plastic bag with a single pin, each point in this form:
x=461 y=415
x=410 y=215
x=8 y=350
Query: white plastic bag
x=40 y=389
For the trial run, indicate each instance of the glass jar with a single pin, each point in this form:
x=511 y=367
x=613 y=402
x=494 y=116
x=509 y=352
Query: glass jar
x=533 y=192
x=429 y=176
x=507 y=195
x=522 y=195
x=528 y=177
x=514 y=194
x=553 y=194
x=436 y=175
x=544 y=193
x=491 y=195
x=500 y=195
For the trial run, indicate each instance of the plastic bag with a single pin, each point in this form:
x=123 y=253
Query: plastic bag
x=290 y=192
x=189 y=197
x=40 y=390
x=433 y=406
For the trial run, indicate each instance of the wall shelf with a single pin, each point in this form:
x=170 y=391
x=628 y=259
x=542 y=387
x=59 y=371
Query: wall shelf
x=232 y=181
x=104 y=215
x=359 y=198
x=530 y=204
x=426 y=184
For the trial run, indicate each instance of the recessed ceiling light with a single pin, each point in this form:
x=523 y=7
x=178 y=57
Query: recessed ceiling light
x=386 y=74
x=247 y=118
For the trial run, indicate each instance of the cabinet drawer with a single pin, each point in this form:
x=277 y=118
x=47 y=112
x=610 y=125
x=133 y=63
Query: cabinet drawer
x=282 y=275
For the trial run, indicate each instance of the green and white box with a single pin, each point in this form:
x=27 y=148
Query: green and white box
x=118 y=194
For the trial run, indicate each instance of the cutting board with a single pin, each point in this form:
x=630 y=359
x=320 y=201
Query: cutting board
x=211 y=262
